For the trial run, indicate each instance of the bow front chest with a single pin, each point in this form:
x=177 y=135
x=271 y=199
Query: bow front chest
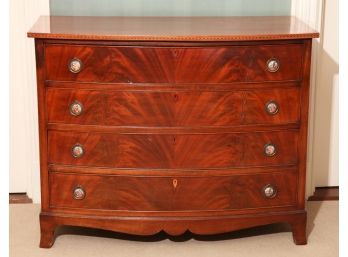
x=176 y=124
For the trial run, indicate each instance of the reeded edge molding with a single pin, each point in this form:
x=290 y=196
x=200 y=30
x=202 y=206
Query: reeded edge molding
x=174 y=38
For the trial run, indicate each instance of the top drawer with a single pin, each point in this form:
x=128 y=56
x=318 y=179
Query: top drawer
x=226 y=64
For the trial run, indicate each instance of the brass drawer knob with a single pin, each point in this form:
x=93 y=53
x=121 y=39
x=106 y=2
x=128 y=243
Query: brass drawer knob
x=272 y=107
x=273 y=65
x=76 y=108
x=269 y=191
x=270 y=149
x=77 y=151
x=79 y=193
x=75 y=65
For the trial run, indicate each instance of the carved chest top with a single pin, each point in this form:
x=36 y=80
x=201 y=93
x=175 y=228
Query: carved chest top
x=172 y=123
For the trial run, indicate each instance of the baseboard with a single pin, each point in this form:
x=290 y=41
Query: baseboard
x=325 y=194
x=19 y=198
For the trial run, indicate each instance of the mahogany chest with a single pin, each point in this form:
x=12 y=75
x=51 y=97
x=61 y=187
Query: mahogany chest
x=152 y=124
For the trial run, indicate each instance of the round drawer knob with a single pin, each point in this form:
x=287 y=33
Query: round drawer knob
x=75 y=65
x=270 y=150
x=273 y=65
x=272 y=108
x=77 y=151
x=79 y=193
x=76 y=108
x=269 y=191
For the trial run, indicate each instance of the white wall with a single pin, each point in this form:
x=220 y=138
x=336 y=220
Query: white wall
x=325 y=152
x=310 y=12
x=24 y=154
x=322 y=166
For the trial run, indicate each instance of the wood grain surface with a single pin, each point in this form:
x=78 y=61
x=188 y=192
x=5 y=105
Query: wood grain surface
x=146 y=193
x=173 y=65
x=175 y=108
x=172 y=151
x=172 y=28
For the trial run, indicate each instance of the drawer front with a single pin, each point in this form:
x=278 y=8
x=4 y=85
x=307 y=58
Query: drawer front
x=172 y=151
x=173 y=65
x=132 y=108
x=137 y=193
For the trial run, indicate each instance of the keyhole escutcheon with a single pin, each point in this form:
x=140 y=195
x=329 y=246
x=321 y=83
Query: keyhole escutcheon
x=175 y=183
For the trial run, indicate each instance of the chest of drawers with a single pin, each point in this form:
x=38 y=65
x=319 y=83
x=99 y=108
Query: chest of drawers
x=172 y=124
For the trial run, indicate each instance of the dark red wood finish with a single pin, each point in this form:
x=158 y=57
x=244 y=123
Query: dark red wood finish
x=174 y=134
x=176 y=65
x=148 y=193
x=172 y=151
x=174 y=108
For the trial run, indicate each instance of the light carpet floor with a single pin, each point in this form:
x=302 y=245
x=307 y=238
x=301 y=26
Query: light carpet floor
x=270 y=241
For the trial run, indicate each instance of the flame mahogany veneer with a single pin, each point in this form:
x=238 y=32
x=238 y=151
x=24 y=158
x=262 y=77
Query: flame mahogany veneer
x=152 y=124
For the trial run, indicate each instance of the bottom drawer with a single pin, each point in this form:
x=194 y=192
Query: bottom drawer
x=185 y=193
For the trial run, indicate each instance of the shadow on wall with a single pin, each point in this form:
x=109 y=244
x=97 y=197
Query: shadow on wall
x=325 y=145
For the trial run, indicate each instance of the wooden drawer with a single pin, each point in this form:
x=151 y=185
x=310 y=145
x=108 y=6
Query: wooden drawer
x=173 y=65
x=146 y=193
x=192 y=108
x=172 y=151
